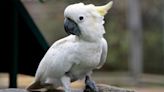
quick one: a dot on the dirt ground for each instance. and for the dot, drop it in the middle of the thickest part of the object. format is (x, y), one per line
(148, 82)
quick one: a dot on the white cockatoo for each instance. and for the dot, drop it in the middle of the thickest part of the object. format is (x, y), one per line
(75, 56)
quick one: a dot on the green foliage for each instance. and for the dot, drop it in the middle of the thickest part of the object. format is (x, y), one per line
(153, 57)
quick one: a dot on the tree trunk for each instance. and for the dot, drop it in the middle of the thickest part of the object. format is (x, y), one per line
(135, 32)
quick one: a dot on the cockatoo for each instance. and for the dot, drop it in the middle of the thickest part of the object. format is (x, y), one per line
(75, 56)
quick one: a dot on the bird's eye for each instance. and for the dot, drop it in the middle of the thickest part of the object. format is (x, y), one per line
(81, 18)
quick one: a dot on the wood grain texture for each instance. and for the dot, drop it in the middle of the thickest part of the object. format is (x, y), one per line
(101, 87)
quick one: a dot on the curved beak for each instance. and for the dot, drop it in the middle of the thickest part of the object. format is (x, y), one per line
(71, 27)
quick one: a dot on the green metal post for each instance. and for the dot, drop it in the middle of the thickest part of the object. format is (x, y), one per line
(14, 70)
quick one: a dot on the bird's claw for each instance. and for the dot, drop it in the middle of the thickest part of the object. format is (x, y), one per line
(90, 86)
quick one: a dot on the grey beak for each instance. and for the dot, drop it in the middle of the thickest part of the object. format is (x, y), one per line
(71, 27)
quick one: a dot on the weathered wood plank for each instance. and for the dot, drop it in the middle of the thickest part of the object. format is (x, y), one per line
(101, 87)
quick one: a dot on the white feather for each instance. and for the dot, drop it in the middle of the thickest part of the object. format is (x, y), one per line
(69, 54)
(104, 53)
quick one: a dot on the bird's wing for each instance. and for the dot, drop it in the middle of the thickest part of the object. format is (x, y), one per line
(104, 53)
(54, 60)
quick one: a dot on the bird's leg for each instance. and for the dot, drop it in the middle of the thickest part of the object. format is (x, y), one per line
(66, 83)
(90, 85)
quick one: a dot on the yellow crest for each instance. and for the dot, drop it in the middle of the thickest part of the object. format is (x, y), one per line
(102, 10)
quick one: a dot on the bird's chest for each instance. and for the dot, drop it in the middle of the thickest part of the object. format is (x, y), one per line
(88, 55)
(87, 59)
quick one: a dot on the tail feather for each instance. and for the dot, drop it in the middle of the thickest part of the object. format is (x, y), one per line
(34, 86)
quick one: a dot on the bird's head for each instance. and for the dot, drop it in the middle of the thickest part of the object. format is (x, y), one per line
(86, 21)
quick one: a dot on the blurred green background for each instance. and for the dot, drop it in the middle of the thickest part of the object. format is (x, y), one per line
(49, 18)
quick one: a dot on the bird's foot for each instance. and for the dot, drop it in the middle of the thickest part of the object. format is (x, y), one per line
(90, 85)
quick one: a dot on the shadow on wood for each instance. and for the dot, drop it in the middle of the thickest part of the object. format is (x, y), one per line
(101, 87)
